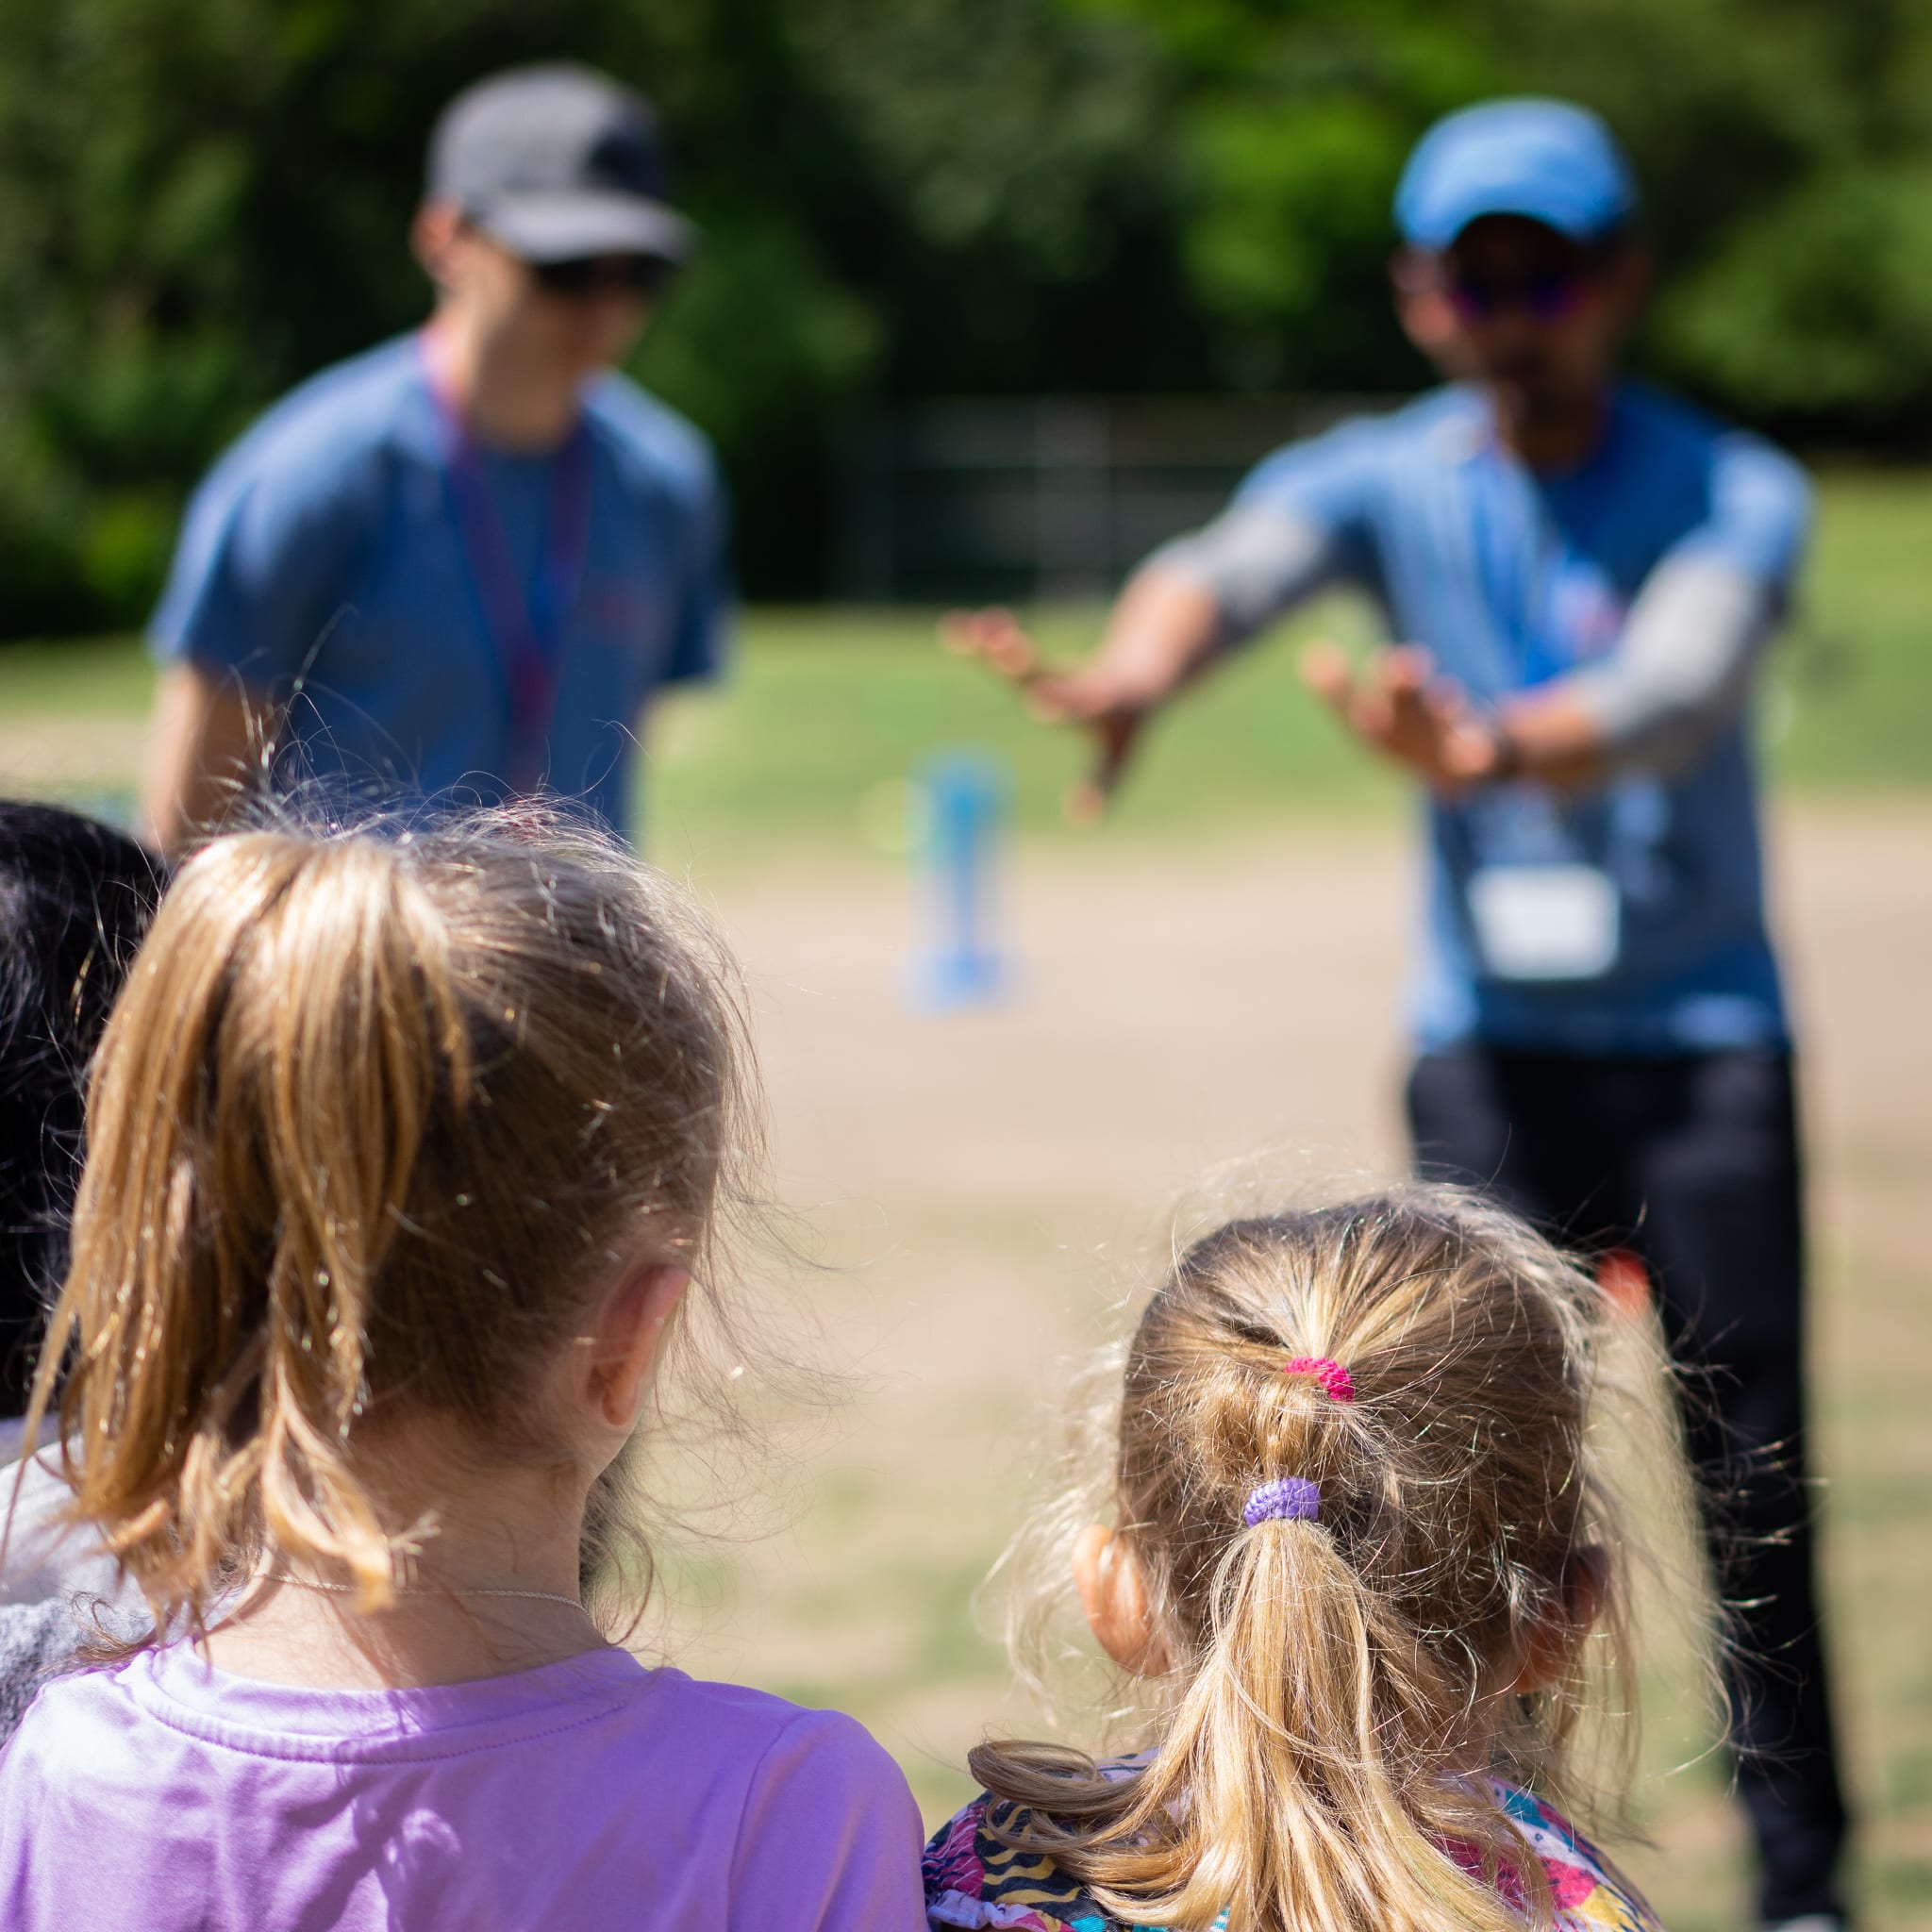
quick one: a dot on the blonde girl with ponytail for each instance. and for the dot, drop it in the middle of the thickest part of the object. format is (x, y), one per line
(1361, 1556)
(405, 1159)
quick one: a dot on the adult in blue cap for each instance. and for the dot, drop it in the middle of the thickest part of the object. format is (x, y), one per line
(462, 563)
(1586, 573)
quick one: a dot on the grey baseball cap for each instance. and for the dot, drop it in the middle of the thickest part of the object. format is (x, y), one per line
(557, 163)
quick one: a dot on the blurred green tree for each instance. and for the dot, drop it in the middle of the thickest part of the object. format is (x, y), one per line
(1785, 147)
(202, 201)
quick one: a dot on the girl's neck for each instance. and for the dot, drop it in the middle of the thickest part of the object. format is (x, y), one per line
(492, 1590)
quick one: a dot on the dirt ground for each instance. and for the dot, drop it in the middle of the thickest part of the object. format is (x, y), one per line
(985, 1187)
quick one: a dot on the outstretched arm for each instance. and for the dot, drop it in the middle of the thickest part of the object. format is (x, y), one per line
(1163, 632)
(1680, 673)
(1180, 612)
(1678, 676)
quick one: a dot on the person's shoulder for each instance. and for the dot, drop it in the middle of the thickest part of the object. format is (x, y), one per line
(1589, 1893)
(71, 1708)
(975, 1878)
(779, 1737)
(655, 447)
(329, 434)
(737, 1708)
(1737, 496)
(1656, 416)
(347, 407)
(1670, 431)
(1372, 445)
(1451, 416)
(36, 1643)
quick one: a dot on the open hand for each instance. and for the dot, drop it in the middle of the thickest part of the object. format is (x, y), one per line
(1401, 708)
(1111, 708)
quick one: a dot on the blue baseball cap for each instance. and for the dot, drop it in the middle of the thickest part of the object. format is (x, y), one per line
(1547, 160)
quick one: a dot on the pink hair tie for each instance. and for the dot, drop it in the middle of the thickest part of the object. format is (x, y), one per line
(1333, 1378)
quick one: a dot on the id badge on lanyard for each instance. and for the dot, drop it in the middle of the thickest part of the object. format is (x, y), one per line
(1538, 910)
(529, 633)
(1545, 921)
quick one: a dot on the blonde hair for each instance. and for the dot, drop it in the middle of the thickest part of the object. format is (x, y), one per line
(374, 1122)
(1336, 1691)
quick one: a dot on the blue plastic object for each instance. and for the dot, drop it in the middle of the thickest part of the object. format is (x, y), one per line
(967, 797)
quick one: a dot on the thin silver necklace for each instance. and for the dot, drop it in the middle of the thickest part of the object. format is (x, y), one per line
(548, 1596)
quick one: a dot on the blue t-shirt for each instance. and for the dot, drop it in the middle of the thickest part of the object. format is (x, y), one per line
(1511, 577)
(325, 564)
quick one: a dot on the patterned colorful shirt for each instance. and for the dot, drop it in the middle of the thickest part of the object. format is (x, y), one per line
(974, 1881)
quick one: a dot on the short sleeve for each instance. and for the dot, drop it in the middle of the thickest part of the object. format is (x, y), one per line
(259, 571)
(1759, 511)
(829, 1837)
(1330, 483)
(700, 641)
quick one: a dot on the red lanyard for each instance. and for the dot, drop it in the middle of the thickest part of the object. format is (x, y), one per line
(530, 633)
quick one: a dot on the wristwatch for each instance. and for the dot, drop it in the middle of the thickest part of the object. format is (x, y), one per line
(1508, 756)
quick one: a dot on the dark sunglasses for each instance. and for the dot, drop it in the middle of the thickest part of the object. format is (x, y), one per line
(1548, 298)
(602, 275)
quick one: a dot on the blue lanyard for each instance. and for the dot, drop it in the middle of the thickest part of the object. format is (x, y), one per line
(530, 634)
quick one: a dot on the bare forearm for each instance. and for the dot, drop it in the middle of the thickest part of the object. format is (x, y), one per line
(1199, 595)
(1178, 614)
(1164, 633)
(1546, 736)
(198, 754)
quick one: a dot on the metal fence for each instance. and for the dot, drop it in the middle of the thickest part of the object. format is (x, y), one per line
(1047, 498)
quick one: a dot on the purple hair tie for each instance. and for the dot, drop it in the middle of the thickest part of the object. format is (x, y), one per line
(1286, 1499)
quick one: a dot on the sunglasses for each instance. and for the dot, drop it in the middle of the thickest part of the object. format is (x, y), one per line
(586, 275)
(1548, 298)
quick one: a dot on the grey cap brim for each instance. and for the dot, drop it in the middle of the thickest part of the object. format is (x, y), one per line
(567, 227)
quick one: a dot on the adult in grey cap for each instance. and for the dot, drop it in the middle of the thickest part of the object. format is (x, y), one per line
(462, 563)
(1586, 573)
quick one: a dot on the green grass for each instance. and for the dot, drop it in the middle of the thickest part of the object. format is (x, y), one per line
(828, 711)
(1852, 682)
(106, 678)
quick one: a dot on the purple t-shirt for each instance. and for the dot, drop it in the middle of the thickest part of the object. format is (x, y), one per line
(590, 1794)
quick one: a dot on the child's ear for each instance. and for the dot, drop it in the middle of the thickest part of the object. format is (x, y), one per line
(627, 1340)
(1114, 1593)
(1550, 1647)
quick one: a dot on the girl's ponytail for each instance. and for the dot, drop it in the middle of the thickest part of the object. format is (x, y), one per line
(369, 1031)
(373, 1121)
(1274, 1763)
(253, 1123)
(1351, 1473)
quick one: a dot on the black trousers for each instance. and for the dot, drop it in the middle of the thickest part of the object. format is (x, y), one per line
(1693, 1163)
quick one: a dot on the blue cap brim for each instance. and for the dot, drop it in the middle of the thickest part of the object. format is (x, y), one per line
(1440, 224)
